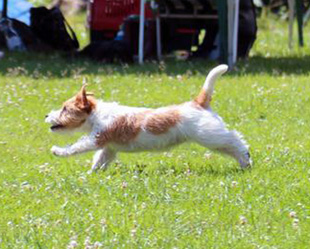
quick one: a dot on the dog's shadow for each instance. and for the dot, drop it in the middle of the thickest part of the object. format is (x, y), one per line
(176, 171)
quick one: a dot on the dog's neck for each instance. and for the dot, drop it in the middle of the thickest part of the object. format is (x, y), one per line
(103, 114)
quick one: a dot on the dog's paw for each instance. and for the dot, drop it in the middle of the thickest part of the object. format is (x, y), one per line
(246, 161)
(58, 151)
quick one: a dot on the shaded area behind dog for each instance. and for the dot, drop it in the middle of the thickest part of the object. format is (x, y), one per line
(36, 65)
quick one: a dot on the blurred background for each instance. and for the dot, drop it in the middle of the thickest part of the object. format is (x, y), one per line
(109, 31)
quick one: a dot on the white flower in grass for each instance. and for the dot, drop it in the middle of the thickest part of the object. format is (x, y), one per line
(243, 220)
(97, 244)
(293, 214)
(124, 184)
(234, 184)
(87, 242)
(103, 222)
(72, 244)
(295, 223)
(188, 171)
(207, 155)
(133, 232)
(179, 77)
(82, 178)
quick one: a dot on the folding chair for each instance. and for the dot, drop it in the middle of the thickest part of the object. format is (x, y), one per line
(228, 11)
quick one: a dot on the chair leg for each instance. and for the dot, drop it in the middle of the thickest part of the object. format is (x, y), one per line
(291, 23)
(141, 31)
(158, 38)
(299, 15)
(235, 32)
(233, 25)
(223, 30)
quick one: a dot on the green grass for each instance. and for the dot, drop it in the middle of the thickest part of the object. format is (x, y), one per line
(183, 198)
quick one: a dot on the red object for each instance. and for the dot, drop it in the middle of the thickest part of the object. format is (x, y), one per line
(107, 15)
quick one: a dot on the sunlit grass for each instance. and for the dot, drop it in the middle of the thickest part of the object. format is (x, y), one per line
(183, 198)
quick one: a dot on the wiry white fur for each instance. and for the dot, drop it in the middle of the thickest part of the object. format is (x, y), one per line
(199, 125)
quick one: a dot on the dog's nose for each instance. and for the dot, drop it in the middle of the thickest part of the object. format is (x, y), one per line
(46, 116)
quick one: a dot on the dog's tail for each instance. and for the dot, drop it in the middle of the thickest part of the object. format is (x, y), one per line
(205, 95)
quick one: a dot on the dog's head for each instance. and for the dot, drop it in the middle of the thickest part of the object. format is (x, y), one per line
(74, 112)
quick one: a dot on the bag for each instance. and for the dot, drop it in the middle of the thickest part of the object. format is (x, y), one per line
(29, 40)
(11, 37)
(51, 27)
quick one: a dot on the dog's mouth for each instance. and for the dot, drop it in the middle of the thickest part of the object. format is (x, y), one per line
(56, 127)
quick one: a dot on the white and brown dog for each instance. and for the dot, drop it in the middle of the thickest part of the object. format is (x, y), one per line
(115, 128)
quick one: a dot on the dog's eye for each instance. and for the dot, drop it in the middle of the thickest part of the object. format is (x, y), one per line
(64, 109)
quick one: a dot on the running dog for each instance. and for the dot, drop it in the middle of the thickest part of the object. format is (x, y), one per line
(114, 128)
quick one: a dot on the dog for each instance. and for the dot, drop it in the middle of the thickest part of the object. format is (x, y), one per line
(114, 128)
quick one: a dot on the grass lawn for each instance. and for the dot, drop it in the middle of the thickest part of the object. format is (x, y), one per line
(183, 198)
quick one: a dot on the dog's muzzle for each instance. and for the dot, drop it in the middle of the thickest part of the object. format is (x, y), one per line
(52, 118)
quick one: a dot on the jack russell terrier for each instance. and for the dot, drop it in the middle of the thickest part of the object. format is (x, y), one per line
(115, 128)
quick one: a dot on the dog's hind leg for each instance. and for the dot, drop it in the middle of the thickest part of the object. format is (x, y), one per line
(230, 143)
(103, 158)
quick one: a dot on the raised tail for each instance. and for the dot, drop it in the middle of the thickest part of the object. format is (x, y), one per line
(205, 95)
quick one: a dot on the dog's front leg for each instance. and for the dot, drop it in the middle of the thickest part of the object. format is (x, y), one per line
(85, 144)
(102, 159)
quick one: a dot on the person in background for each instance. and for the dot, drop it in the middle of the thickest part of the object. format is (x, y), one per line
(209, 48)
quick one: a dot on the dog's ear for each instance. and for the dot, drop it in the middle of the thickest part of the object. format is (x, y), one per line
(81, 98)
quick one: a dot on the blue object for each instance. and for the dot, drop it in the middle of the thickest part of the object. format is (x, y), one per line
(18, 9)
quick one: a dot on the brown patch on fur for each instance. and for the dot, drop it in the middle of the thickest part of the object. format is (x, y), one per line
(203, 99)
(159, 123)
(126, 128)
(76, 110)
(123, 130)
